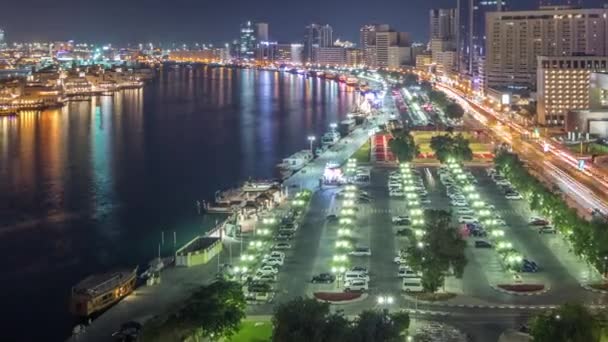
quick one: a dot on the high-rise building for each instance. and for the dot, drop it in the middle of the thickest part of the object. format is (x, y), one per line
(247, 41)
(471, 27)
(516, 39)
(261, 32)
(367, 41)
(283, 53)
(2, 38)
(444, 24)
(378, 40)
(316, 36)
(563, 85)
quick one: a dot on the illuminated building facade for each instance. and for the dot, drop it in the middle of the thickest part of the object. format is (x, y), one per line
(563, 85)
(516, 39)
(247, 41)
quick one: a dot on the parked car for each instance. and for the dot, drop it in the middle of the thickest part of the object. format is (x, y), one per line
(538, 221)
(274, 261)
(281, 246)
(361, 251)
(412, 285)
(359, 269)
(513, 196)
(467, 219)
(265, 277)
(547, 230)
(464, 211)
(348, 276)
(399, 260)
(529, 266)
(267, 269)
(326, 278)
(483, 244)
(406, 272)
(358, 285)
(459, 203)
(331, 218)
(396, 193)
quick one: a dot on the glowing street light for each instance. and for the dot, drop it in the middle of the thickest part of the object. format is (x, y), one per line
(385, 300)
(311, 139)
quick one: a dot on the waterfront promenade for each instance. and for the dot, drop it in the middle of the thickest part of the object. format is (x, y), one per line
(178, 283)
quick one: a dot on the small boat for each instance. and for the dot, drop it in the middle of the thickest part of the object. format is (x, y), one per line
(330, 76)
(342, 78)
(296, 161)
(351, 81)
(330, 138)
(100, 291)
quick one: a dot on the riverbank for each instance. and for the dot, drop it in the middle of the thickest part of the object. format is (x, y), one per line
(178, 283)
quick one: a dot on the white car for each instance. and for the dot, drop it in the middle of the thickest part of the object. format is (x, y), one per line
(394, 184)
(268, 270)
(359, 285)
(467, 219)
(265, 277)
(515, 196)
(396, 193)
(361, 251)
(459, 203)
(281, 245)
(399, 260)
(274, 261)
(412, 285)
(464, 211)
(275, 254)
(406, 272)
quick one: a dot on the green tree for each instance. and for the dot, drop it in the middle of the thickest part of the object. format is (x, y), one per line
(307, 320)
(403, 146)
(441, 250)
(454, 111)
(439, 98)
(375, 326)
(214, 311)
(451, 147)
(568, 323)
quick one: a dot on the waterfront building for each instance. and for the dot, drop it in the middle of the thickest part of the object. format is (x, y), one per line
(381, 44)
(283, 53)
(563, 84)
(367, 41)
(354, 57)
(247, 41)
(316, 36)
(297, 53)
(424, 62)
(515, 39)
(196, 56)
(266, 51)
(334, 55)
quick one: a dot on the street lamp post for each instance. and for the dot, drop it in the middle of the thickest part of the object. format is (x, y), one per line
(311, 139)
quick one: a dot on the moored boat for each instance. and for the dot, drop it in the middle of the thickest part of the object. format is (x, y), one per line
(100, 291)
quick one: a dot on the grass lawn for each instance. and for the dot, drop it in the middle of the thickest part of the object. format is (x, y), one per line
(253, 331)
(423, 139)
(592, 148)
(363, 154)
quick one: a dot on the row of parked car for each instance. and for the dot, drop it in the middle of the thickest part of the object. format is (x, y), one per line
(396, 186)
(504, 185)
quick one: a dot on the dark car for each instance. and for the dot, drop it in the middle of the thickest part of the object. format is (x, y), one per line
(539, 222)
(326, 278)
(129, 332)
(529, 266)
(482, 244)
(331, 218)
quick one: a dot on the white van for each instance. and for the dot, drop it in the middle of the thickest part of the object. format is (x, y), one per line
(412, 285)
(352, 275)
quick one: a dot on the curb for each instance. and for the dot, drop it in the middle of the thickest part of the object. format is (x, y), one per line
(514, 293)
(427, 312)
(363, 297)
(591, 289)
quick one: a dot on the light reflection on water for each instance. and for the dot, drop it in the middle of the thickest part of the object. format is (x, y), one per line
(92, 185)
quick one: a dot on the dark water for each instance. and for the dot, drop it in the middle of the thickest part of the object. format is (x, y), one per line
(91, 186)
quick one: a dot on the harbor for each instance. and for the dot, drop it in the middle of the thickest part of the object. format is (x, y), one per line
(177, 282)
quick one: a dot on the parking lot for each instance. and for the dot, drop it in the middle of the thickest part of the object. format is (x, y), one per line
(334, 225)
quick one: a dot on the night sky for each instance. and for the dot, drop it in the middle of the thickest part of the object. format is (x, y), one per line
(130, 21)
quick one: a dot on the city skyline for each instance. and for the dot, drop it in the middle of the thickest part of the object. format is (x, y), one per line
(132, 23)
